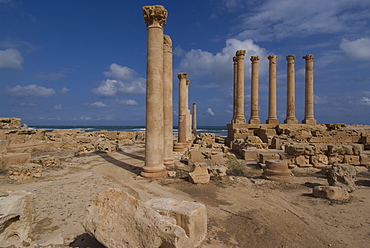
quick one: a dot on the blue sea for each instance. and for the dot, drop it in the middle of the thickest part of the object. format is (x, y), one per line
(217, 130)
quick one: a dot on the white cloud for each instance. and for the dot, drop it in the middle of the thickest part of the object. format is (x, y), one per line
(58, 107)
(28, 104)
(30, 90)
(129, 102)
(277, 19)
(365, 101)
(85, 118)
(64, 91)
(209, 111)
(11, 59)
(125, 81)
(358, 49)
(97, 105)
(219, 66)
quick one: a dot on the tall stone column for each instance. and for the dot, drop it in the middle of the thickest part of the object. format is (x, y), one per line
(182, 121)
(188, 116)
(154, 16)
(168, 159)
(290, 106)
(272, 114)
(309, 101)
(254, 119)
(234, 89)
(194, 119)
(239, 111)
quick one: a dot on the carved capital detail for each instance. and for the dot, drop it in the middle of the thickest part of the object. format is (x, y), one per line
(290, 57)
(155, 15)
(234, 59)
(308, 57)
(240, 53)
(272, 57)
(187, 82)
(182, 75)
(255, 58)
(167, 42)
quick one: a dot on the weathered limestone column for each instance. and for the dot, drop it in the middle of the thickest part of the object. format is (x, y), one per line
(194, 119)
(188, 116)
(254, 119)
(182, 121)
(168, 159)
(239, 111)
(290, 106)
(154, 16)
(234, 89)
(272, 114)
(309, 101)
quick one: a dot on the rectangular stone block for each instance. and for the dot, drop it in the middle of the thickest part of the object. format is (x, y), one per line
(303, 161)
(25, 171)
(352, 159)
(15, 159)
(191, 216)
(364, 160)
(250, 155)
(338, 159)
(3, 146)
(263, 156)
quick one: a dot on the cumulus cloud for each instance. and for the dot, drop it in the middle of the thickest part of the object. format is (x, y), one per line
(129, 102)
(358, 49)
(365, 101)
(58, 107)
(99, 104)
(277, 19)
(210, 112)
(219, 66)
(63, 91)
(123, 81)
(30, 90)
(11, 59)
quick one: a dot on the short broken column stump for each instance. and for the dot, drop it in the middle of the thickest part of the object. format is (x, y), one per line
(277, 170)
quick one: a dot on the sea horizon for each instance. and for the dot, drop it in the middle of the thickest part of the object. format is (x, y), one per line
(217, 130)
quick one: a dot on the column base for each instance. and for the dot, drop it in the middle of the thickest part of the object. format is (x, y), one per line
(291, 120)
(154, 171)
(272, 121)
(168, 161)
(240, 120)
(254, 120)
(179, 147)
(309, 121)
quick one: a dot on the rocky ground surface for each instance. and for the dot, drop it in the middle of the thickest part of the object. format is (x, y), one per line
(243, 211)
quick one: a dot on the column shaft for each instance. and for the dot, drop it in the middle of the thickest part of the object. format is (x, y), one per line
(254, 119)
(272, 114)
(290, 111)
(155, 17)
(309, 96)
(234, 89)
(168, 159)
(194, 119)
(239, 117)
(182, 125)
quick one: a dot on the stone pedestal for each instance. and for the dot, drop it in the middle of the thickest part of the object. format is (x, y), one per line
(154, 16)
(290, 108)
(254, 91)
(168, 159)
(272, 114)
(239, 110)
(309, 96)
(277, 170)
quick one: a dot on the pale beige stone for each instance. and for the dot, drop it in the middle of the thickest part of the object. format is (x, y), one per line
(117, 219)
(331, 192)
(16, 208)
(200, 173)
(290, 116)
(239, 111)
(272, 114)
(276, 170)
(24, 171)
(309, 95)
(191, 216)
(342, 175)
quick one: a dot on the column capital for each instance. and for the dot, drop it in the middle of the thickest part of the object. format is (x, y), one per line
(167, 40)
(234, 59)
(194, 103)
(182, 75)
(155, 15)
(308, 57)
(187, 82)
(240, 53)
(272, 57)
(255, 58)
(290, 57)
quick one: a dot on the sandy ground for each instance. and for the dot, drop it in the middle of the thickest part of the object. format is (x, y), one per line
(242, 211)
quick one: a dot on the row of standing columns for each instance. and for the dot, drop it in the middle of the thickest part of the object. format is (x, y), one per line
(238, 108)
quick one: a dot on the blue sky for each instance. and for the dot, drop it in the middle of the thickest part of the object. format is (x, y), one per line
(83, 62)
